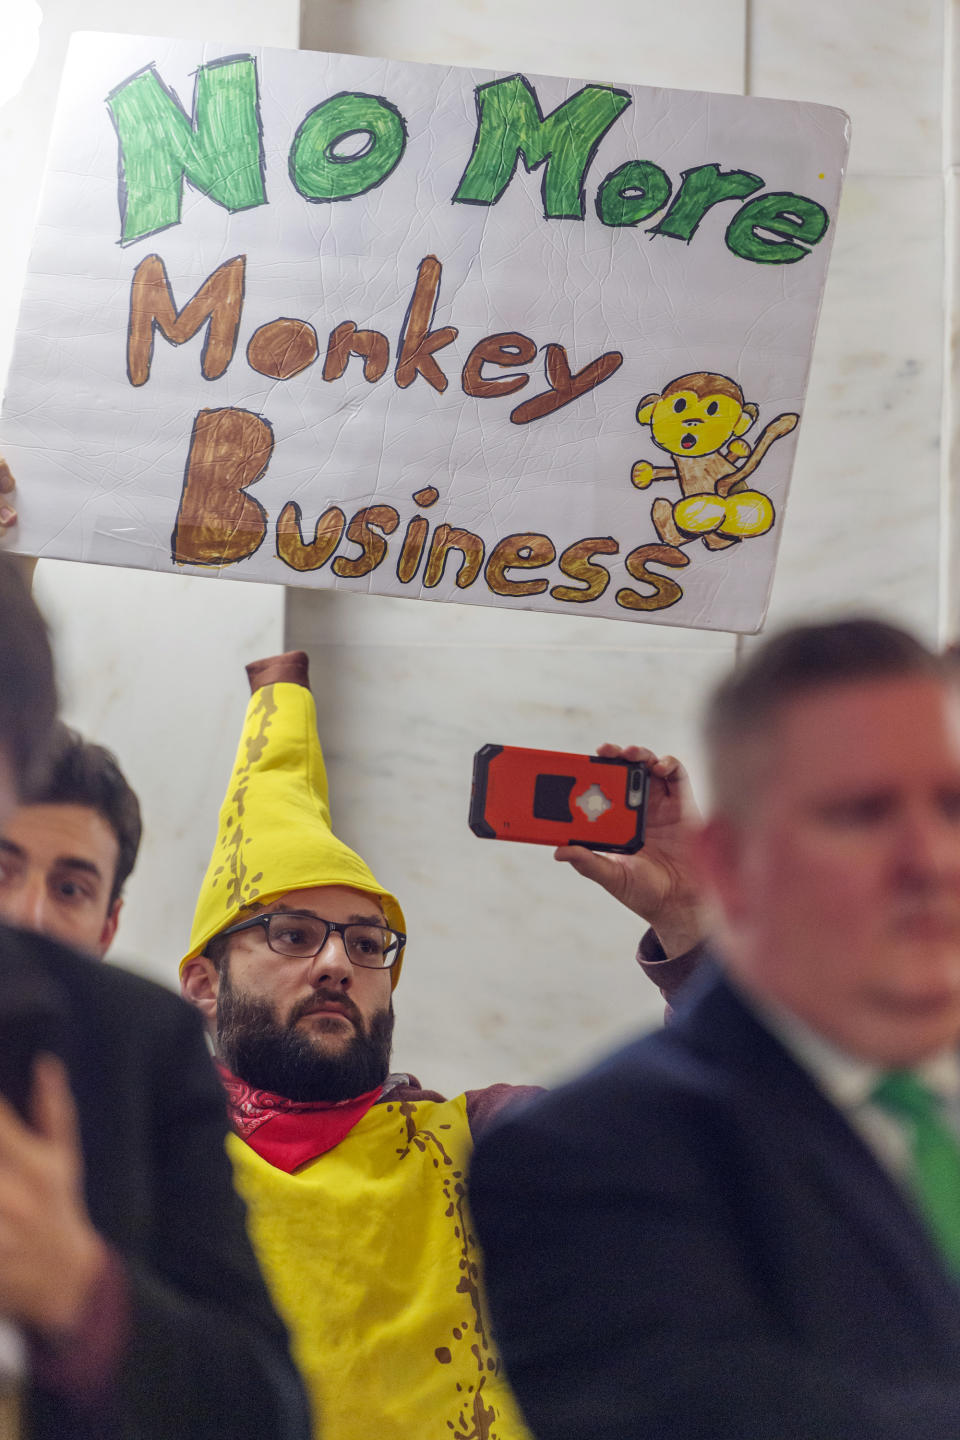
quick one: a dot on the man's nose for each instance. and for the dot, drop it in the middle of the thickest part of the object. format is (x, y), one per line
(25, 905)
(332, 965)
(930, 846)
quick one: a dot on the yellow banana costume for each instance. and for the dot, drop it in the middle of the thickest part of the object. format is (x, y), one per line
(368, 1249)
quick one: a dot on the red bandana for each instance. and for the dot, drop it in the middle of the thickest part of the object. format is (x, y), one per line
(288, 1133)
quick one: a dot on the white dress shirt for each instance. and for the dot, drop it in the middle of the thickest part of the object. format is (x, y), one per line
(848, 1083)
(13, 1353)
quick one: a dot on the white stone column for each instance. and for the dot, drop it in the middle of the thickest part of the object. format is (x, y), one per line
(864, 525)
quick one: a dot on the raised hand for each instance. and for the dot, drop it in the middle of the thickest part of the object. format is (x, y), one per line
(8, 515)
(50, 1255)
(658, 883)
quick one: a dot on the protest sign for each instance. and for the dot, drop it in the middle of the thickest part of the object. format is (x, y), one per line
(416, 330)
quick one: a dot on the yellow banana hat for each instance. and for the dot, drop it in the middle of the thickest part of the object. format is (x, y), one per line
(275, 833)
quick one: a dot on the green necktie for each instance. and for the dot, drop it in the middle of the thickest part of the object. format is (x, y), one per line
(935, 1176)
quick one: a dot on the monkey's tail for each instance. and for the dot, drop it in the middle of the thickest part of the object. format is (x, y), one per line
(776, 430)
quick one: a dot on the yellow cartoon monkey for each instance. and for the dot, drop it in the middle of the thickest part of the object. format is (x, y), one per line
(699, 419)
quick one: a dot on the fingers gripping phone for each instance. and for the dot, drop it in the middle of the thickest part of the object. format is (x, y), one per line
(546, 797)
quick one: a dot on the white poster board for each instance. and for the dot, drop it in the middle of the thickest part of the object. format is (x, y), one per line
(508, 340)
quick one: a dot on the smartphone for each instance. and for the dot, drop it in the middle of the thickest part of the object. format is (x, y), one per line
(32, 1020)
(546, 797)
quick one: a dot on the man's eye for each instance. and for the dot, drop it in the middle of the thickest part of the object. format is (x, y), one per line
(369, 942)
(291, 935)
(865, 810)
(950, 806)
(11, 866)
(72, 891)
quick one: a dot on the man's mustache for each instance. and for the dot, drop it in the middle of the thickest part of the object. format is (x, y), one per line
(320, 998)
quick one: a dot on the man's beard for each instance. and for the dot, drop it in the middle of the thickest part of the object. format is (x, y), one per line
(285, 1060)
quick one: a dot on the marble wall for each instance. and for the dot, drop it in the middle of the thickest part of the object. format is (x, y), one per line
(868, 497)
(518, 969)
(951, 417)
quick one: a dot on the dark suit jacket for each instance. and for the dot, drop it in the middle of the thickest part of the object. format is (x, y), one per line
(690, 1242)
(207, 1356)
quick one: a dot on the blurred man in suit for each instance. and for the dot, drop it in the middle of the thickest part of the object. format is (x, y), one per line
(748, 1226)
(125, 1270)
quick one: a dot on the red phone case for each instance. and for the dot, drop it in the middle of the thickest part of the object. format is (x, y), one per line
(547, 797)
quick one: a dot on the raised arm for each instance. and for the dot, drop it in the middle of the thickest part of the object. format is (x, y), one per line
(26, 564)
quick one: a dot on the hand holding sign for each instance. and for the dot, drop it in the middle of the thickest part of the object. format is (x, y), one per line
(8, 515)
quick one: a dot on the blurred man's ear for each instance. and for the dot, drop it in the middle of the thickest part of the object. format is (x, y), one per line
(110, 927)
(718, 849)
(200, 984)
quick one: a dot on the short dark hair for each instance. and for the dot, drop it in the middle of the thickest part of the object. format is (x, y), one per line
(802, 659)
(28, 694)
(87, 774)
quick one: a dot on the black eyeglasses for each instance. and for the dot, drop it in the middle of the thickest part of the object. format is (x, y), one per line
(371, 946)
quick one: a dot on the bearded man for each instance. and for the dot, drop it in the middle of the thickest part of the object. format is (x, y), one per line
(355, 1179)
